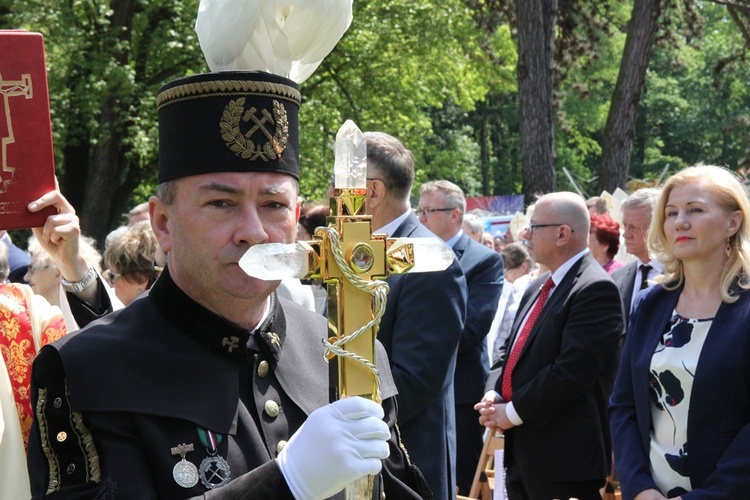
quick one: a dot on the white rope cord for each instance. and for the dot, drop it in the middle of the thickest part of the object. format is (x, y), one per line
(379, 291)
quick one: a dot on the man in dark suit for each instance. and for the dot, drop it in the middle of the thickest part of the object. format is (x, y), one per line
(441, 208)
(636, 220)
(550, 394)
(422, 323)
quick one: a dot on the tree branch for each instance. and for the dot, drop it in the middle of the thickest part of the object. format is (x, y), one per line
(729, 3)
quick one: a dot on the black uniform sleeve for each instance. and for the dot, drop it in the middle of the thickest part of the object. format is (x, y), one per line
(264, 482)
(62, 459)
(83, 312)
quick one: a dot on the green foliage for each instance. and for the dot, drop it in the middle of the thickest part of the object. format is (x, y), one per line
(106, 62)
(697, 100)
(441, 76)
(398, 61)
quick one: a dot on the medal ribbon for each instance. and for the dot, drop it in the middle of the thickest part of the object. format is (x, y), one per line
(209, 439)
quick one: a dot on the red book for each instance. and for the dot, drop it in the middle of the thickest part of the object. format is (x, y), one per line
(27, 163)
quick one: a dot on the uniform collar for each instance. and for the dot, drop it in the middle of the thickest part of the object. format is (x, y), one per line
(210, 330)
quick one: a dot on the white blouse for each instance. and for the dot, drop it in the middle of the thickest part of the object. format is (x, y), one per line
(672, 373)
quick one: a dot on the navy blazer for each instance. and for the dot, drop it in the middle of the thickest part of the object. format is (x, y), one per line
(563, 378)
(625, 280)
(420, 331)
(719, 417)
(483, 268)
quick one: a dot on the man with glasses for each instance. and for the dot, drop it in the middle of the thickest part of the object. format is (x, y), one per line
(483, 269)
(422, 323)
(550, 394)
(636, 220)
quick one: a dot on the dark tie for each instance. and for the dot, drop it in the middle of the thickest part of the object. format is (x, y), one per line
(645, 268)
(515, 353)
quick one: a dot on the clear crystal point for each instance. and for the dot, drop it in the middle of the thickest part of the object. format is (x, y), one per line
(275, 261)
(350, 168)
(430, 254)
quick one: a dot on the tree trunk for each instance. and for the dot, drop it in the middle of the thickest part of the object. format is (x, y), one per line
(99, 213)
(109, 164)
(536, 28)
(620, 128)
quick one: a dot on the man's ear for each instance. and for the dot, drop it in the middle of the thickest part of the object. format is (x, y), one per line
(564, 234)
(159, 213)
(375, 194)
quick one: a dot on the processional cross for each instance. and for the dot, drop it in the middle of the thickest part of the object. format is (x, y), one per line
(353, 263)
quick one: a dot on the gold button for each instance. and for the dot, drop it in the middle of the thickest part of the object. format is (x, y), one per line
(272, 408)
(263, 369)
(280, 446)
(58, 402)
(62, 436)
(71, 468)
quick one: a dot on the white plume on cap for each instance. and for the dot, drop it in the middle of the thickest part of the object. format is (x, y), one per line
(289, 38)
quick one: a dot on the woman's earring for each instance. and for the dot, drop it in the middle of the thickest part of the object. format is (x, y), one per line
(728, 249)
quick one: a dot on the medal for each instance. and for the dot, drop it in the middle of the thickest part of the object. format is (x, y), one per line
(214, 470)
(184, 473)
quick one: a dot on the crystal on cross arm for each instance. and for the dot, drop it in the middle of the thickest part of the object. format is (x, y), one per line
(350, 167)
(430, 254)
(275, 261)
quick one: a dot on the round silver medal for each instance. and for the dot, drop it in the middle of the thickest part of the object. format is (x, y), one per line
(214, 472)
(185, 474)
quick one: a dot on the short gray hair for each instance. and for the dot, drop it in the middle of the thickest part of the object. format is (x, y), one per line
(454, 195)
(642, 198)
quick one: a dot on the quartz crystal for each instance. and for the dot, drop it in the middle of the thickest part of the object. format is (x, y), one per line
(350, 168)
(430, 254)
(275, 261)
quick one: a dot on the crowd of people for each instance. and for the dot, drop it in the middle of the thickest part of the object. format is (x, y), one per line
(526, 340)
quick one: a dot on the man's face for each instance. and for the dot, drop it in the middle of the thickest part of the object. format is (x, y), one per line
(635, 224)
(211, 223)
(439, 217)
(542, 241)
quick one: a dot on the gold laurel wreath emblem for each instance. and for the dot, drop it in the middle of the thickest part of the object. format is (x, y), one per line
(241, 144)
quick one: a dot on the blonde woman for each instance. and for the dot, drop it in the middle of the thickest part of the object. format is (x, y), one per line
(680, 412)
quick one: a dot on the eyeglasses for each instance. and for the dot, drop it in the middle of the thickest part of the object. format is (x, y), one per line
(34, 269)
(424, 212)
(629, 227)
(532, 227)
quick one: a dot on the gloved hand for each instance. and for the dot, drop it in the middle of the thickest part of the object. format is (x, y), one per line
(337, 444)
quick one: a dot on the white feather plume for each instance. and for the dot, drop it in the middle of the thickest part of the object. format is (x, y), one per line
(285, 37)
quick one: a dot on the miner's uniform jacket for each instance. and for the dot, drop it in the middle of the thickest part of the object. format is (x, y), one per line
(122, 402)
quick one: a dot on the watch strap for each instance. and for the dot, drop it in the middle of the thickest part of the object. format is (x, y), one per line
(79, 286)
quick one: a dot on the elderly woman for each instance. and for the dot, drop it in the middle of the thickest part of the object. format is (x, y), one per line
(130, 260)
(680, 411)
(604, 241)
(44, 276)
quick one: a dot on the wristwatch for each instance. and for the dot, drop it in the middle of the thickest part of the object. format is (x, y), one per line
(79, 286)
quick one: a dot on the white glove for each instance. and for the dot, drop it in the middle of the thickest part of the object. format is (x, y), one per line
(337, 444)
